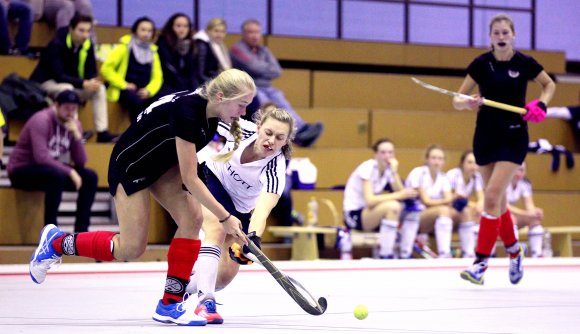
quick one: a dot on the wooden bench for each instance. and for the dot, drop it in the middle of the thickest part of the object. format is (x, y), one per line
(559, 209)
(304, 240)
(21, 216)
(562, 239)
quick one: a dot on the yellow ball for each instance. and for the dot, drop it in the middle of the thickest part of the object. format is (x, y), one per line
(361, 312)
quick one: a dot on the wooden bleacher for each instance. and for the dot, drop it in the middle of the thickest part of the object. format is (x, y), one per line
(391, 54)
(358, 108)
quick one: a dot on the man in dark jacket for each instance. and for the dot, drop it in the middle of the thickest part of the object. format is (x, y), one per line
(69, 63)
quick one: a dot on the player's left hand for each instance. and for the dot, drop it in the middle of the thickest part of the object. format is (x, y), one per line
(536, 111)
(237, 252)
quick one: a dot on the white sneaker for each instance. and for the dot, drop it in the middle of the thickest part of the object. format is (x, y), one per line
(516, 267)
(475, 273)
(180, 314)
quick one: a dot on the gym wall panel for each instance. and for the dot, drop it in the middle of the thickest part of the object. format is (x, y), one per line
(343, 128)
(296, 86)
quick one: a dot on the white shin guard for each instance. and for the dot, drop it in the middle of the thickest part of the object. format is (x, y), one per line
(409, 231)
(387, 237)
(467, 239)
(206, 269)
(535, 239)
(443, 232)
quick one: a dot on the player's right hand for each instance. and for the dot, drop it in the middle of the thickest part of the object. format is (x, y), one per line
(238, 252)
(233, 226)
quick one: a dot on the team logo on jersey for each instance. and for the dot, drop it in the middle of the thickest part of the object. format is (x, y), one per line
(513, 74)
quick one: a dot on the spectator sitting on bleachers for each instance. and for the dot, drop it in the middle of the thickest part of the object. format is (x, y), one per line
(530, 215)
(133, 69)
(50, 156)
(212, 55)
(432, 211)
(15, 11)
(59, 13)
(69, 63)
(251, 56)
(176, 53)
(466, 184)
(372, 195)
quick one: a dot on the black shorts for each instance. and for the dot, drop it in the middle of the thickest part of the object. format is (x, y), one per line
(221, 195)
(493, 145)
(353, 219)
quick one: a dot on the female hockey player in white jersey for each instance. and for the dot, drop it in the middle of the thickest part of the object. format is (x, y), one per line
(248, 185)
(467, 188)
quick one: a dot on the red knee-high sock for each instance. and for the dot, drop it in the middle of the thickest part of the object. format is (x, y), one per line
(507, 233)
(181, 257)
(488, 232)
(96, 245)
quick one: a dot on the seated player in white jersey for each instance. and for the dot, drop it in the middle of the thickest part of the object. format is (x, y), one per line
(249, 186)
(520, 188)
(467, 188)
(372, 195)
(431, 211)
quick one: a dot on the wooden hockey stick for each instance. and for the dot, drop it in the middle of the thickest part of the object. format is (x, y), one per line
(487, 102)
(300, 295)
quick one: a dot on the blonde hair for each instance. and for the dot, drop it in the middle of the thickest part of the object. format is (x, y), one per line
(281, 115)
(236, 131)
(233, 83)
(215, 22)
(502, 17)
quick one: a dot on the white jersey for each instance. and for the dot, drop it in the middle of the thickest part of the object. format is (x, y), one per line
(420, 178)
(244, 183)
(458, 185)
(354, 198)
(523, 189)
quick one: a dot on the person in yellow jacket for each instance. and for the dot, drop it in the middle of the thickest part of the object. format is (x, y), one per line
(133, 69)
(2, 123)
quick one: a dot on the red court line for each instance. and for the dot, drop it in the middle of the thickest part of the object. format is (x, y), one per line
(157, 271)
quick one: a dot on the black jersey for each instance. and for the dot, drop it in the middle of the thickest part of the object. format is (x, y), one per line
(502, 135)
(147, 149)
(503, 81)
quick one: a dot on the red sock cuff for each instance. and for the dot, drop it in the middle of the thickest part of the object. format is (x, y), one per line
(181, 257)
(57, 243)
(506, 229)
(488, 232)
(96, 245)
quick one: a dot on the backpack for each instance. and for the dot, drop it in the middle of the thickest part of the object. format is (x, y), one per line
(27, 95)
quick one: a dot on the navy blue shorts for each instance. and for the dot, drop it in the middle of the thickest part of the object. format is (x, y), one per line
(353, 219)
(221, 195)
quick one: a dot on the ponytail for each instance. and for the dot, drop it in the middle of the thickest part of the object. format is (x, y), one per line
(236, 131)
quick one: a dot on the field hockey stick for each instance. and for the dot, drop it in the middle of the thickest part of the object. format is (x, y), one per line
(300, 295)
(487, 102)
